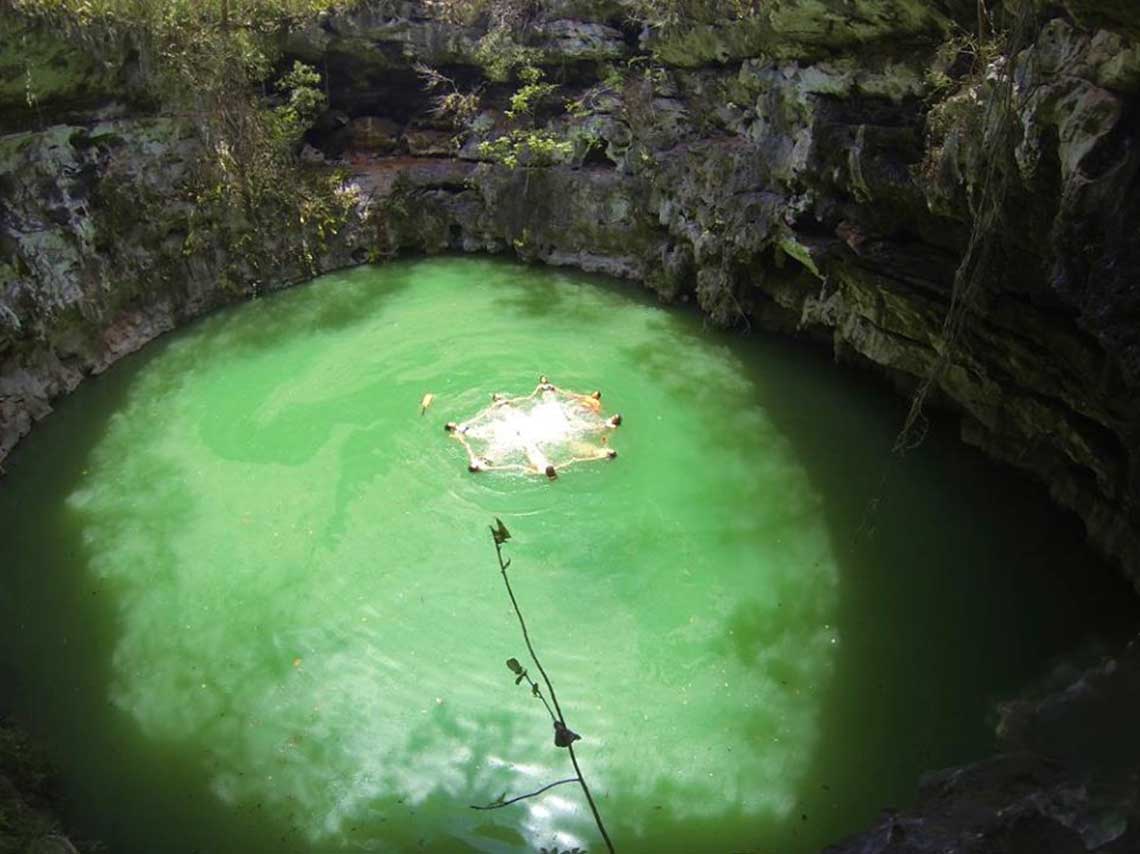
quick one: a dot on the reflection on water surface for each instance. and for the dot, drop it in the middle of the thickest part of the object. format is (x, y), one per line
(284, 615)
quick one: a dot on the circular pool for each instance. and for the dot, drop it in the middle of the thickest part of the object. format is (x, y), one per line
(251, 602)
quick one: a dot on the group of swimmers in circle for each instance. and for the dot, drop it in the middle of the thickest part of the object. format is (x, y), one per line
(537, 461)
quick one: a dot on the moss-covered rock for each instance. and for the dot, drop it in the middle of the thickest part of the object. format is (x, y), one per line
(45, 79)
(108, 240)
(801, 29)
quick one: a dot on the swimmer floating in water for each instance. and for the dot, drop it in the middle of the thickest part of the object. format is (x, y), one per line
(522, 440)
(584, 453)
(592, 401)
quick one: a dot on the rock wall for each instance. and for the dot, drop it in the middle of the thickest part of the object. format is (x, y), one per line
(1065, 782)
(96, 258)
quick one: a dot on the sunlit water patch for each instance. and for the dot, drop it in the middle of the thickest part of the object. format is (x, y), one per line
(287, 630)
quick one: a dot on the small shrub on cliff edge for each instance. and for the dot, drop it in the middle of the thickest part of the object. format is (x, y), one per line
(988, 108)
(678, 14)
(210, 63)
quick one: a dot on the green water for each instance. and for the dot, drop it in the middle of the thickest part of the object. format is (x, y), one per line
(250, 602)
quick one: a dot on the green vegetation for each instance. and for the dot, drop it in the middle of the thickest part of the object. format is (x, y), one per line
(531, 94)
(528, 145)
(982, 108)
(215, 65)
(678, 14)
(450, 101)
(524, 144)
(170, 17)
(527, 148)
(503, 56)
(499, 53)
(209, 60)
(497, 14)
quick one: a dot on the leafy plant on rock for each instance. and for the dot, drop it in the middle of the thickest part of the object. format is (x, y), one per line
(211, 64)
(528, 145)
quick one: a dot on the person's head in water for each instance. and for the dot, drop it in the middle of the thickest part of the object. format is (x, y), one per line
(551, 472)
(610, 453)
(450, 426)
(615, 421)
(597, 395)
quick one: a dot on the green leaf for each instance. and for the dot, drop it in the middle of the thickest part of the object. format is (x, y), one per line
(500, 532)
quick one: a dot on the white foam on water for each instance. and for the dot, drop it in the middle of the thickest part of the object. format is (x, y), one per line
(551, 427)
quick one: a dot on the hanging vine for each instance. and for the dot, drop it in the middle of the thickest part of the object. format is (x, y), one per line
(1000, 129)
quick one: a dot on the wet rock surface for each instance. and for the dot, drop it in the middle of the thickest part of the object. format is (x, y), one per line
(1066, 781)
(27, 795)
(93, 224)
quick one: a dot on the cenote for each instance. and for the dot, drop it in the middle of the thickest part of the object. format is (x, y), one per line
(251, 603)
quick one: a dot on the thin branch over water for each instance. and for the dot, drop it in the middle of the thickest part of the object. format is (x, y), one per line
(498, 805)
(563, 735)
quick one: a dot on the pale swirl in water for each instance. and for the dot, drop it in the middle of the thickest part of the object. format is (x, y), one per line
(308, 598)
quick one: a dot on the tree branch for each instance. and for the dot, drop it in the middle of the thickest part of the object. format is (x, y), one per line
(499, 536)
(522, 624)
(501, 804)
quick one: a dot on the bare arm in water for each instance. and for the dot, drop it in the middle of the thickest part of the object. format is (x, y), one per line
(587, 453)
